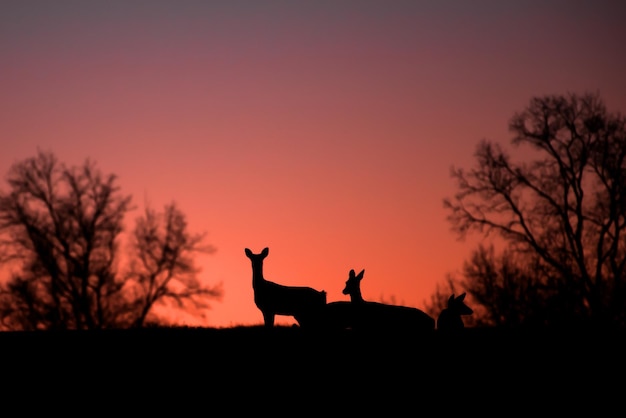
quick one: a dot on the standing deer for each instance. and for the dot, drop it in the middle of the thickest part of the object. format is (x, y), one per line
(449, 319)
(367, 315)
(275, 299)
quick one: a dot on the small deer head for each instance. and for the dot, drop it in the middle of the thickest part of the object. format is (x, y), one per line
(353, 286)
(458, 306)
(450, 317)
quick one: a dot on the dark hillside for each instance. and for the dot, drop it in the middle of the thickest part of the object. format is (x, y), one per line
(528, 368)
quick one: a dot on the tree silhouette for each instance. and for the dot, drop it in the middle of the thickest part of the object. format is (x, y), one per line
(507, 289)
(562, 211)
(163, 267)
(60, 229)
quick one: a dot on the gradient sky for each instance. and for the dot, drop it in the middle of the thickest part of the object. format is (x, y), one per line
(324, 130)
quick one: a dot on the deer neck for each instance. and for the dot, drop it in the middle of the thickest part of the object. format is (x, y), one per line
(257, 274)
(356, 297)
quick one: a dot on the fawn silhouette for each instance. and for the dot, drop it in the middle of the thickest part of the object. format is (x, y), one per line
(275, 299)
(449, 319)
(366, 315)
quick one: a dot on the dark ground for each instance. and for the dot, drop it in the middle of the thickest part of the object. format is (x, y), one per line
(289, 371)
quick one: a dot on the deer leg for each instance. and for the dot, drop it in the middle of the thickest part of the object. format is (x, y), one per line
(269, 319)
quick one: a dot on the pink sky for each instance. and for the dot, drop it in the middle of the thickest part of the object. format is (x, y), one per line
(322, 130)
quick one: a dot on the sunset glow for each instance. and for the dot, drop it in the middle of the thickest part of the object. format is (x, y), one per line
(322, 130)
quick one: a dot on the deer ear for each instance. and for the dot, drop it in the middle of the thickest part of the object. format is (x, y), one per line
(352, 273)
(265, 251)
(360, 275)
(248, 252)
(451, 299)
(461, 297)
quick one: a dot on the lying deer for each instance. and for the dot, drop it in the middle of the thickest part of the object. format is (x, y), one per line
(449, 319)
(381, 316)
(275, 299)
(359, 314)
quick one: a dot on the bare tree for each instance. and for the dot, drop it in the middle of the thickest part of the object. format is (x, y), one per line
(509, 288)
(564, 209)
(163, 267)
(60, 228)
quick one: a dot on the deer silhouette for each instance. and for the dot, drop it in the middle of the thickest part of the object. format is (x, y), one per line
(275, 299)
(367, 315)
(449, 319)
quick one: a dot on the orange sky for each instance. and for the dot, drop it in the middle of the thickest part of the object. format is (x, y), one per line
(323, 130)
